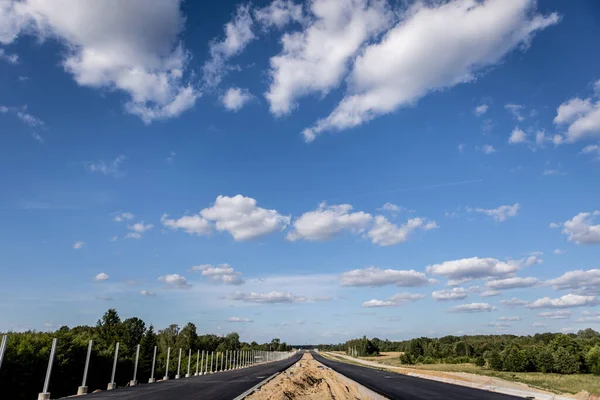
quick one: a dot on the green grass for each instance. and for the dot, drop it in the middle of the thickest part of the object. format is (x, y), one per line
(552, 382)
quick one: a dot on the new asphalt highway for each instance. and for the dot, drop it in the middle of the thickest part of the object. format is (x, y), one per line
(221, 386)
(402, 387)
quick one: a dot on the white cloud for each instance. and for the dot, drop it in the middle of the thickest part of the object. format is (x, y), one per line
(111, 168)
(238, 34)
(592, 149)
(538, 325)
(268, 298)
(550, 172)
(467, 269)
(559, 251)
(223, 273)
(457, 293)
(509, 318)
(501, 213)
(147, 293)
(481, 109)
(122, 216)
(515, 110)
(78, 245)
(10, 58)
(587, 320)
(238, 319)
(30, 120)
(240, 216)
(580, 229)
(566, 301)
(375, 277)
(432, 47)
(562, 314)
(517, 136)
(235, 98)
(579, 281)
(514, 302)
(488, 149)
(140, 227)
(175, 281)
(384, 233)
(192, 224)
(328, 221)
(133, 235)
(499, 324)
(489, 293)
(511, 283)
(108, 45)
(316, 58)
(582, 117)
(101, 277)
(23, 78)
(390, 207)
(396, 300)
(279, 13)
(472, 308)
(554, 225)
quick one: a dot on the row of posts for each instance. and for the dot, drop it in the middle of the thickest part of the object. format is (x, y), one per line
(229, 360)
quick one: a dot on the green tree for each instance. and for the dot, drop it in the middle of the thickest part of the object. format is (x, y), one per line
(494, 360)
(514, 360)
(592, 360)
(565, 362)
(132, 331)
(545, 360)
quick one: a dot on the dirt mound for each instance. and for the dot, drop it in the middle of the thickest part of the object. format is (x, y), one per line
(308, 380)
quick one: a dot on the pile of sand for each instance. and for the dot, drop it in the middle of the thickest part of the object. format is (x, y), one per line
(308, 379)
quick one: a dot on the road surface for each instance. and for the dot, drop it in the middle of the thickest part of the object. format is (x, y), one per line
(222, 386)
(402, 387)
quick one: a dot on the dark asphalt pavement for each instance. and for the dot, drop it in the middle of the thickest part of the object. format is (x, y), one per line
(401, 387)
(222, 386)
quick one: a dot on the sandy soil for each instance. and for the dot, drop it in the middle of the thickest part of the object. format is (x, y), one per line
(308, 379)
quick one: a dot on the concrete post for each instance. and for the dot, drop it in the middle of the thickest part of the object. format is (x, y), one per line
(134, 382)
(166, 378)
(197, 362)
(202, 363)
(206, 366)
(3, 348)
(152, 380)
(83, 389)
(212, 357)
(112, 385)
(222, 358)
(178, 365)
(189, 361)
(227, 360)
(45, 395)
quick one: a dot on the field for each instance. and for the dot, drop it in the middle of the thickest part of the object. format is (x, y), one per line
(551, 382)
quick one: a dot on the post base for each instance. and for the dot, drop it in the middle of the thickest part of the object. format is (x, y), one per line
(166, 378)
(111, 386)
(151, 380)
(187, 375)
(132, 383)
(44, 396)
(82, 390)
(196, 374)
(177, 376)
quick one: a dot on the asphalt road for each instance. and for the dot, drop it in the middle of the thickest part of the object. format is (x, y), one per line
(222, 386)
(401, 387)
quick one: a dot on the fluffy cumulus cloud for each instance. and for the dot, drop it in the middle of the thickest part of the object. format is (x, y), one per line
(511, 283)
(487, 149)
(137, 230)
(375, 277)
(101, 277)
(223, 273)
(238, 34)
(517, 136)
(326, 222)
(235, 98)
(514, 302)
(78, 245)
(432, 46)
(516, 110)
(110, 168)
(10, 58)
(501, 213)
(396, 300)
(268, 298)
(124, 46)
(192, 224)
(481, 109)
(472, 308)
(561, 314)
(457, 293)
(512, 319)
(315, 59)
(384, 233)
(175, 281)
(581, 229)
(581, 117)
(122, 216)
(238, 319)
(566, 301)
(243, 219)
(580, 282)
(279, 13)
(468, 269)
(147, 293)
(592, 149)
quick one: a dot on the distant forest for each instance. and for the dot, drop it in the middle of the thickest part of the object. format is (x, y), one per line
(24, 366)
(542, 352)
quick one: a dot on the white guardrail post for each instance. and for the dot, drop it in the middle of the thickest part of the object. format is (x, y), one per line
(189, 361)
(197, 362)
(134, 381)
(112, 385)
(83, 389)
(152, 380)
(45, 395)
(166, 377)
(178, 365)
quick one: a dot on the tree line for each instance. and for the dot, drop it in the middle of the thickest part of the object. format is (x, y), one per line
(543, 352)
(25, 361)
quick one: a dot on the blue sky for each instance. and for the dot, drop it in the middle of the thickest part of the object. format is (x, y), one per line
(315, 171)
